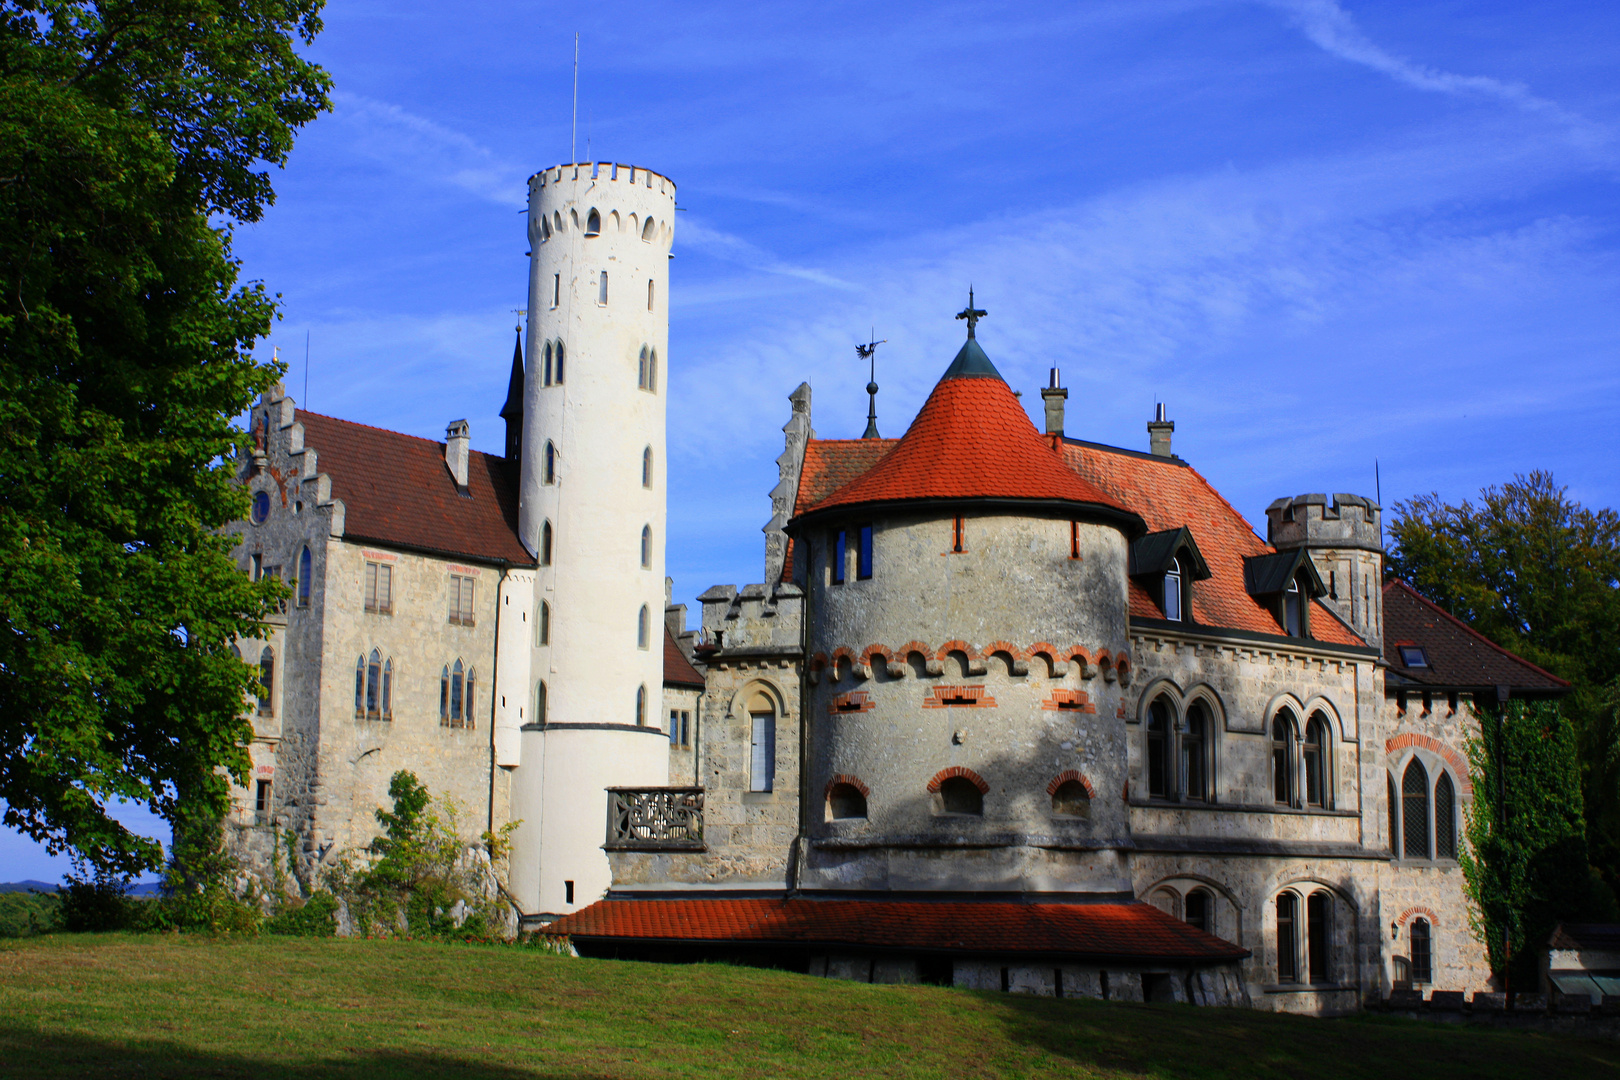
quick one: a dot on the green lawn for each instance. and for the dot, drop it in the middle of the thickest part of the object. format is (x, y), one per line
(170, 1006)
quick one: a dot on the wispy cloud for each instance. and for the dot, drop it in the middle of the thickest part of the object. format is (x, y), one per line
(1327, 25)
(416, 145)
(734, 249)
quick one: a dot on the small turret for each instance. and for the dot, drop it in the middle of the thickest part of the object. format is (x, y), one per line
(1345, 541)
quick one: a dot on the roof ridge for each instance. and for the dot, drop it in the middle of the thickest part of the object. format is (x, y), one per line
(297, 412)
(1213, 490)
(1426, 602)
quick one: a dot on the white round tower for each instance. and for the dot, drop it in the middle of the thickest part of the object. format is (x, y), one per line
(592, 510)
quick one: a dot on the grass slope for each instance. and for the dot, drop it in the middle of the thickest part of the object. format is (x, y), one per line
(168, 1006)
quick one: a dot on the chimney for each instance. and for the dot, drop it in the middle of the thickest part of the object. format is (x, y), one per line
(1159, 433)
(1054, 396)
(456, 438)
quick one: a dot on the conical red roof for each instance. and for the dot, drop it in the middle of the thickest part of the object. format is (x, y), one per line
(972, 440)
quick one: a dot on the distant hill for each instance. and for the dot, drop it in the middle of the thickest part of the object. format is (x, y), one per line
(140, 888)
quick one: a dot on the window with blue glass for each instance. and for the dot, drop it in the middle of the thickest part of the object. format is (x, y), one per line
(863, 554)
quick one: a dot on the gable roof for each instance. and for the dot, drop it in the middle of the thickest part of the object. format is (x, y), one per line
(1151, 554)
(1268, 575)
(1460, 657)
(678, 670)
(1121, 931)
(971, 441)
(397, 491)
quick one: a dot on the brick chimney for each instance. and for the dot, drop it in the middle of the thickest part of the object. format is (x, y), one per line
(456, 439)
(1054, 395)
(1159, 430)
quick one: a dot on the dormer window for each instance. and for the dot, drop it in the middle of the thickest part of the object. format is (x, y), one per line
(1413, 656)
(1165, 564)
(1172, 591)
(1294, 610)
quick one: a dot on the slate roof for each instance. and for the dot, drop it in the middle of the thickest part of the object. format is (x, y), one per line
(1460, 658)
(1113, 931)
(678, 670)
(1590, 937)
(397, 491)
(971, 440)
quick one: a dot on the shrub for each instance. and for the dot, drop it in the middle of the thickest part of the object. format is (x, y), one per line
(25, 914)
(96, 905)
(315, 917)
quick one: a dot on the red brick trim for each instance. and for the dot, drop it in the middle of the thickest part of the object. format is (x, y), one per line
(852, 781)
(1003, 646)
(856, 701)
(905, 651)
(956, 770)
(955, 646)
(818, 662)
(876, 650)
(1418, 909)
(1069, 701)
(1064, 777)
(1452, 758)
(958, 697)
(1079, 651)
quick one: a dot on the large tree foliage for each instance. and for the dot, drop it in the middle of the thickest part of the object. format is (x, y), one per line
(1539, 574)
(133, 133)
(1525, 864)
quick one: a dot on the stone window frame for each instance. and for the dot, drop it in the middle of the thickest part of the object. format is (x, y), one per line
(267, 681)
(458, 703)
(378, 689)
(1321, 916)
(1435, 767)
(463, 609)
(1179, 707)
(1225, 915)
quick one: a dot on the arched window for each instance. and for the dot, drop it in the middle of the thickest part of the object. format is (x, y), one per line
(652, 371)
(845, 801)
(601, 289)
(761, 743)
(593, 223)
(1195, 754)
(646, 467)
(1317, 908)
(1158, 749)
(643, 627)
(559, 363)
(1070, 800)
(540, 703)
(388, 689)
(647, 230)
(467, 709)
(1415, 811)
(1282, 758)
(641, 369)
(1445, 818)
(1293, 610)
(267, 682)
(1172, 591)
(641, 706)
(1394, 813)
(1422, 952)
(556, 220)
(1315, 753)
(1200, 910)
(547, 379)
(959, 795)
(544, 630)
(360, 688)
(646, 547)
(305, 565)
(649, 294)
(455, 704)
(545, 544)
(545, 229)
(1287, 938)
(551, 462)
(374, 686)
(261, 507)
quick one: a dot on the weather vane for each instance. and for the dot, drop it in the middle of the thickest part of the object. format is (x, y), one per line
(869, 352)
(971, 313)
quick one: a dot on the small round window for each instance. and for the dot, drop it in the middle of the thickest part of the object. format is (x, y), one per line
(261, 507)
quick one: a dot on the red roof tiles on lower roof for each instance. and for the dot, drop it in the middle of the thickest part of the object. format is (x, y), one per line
(1458, 654)
(1123, 931)
(397, 490)
(678, 670)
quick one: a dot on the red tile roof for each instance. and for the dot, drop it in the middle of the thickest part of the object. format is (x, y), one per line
(1459, 656)
(1168, 494)
(678, 670)
(397, 490)
(971, 440)
(1123, 931)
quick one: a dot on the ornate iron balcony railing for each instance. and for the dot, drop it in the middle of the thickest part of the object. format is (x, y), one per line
(655, 819)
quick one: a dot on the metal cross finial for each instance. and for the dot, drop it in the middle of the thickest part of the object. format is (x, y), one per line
(869, 352)
(971, 313)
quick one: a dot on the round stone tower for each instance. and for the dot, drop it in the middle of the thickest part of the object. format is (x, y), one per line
(1345, 540)
(592, 511)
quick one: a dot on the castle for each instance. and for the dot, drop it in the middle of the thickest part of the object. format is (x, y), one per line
(1009, 709)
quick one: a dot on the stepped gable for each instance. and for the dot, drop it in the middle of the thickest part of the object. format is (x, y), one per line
(1168, 493)
(1123, 931)
(1459, 657)
(678, 670)
(398, 492)
(971, 440)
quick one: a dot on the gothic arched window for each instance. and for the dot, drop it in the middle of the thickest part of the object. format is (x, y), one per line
(1159, 743)
(1445, 818)
(305, 567)
(641, 706)
(641, 369)
(388, 689)
(1195, 754)
(559, 363)
(360, 688)
(1287, 937)
(546, 379)
(540, 703)
(652, 371)
(545, 544)
(455, 696)
(1317, 908)
(267, 682)
(1422, 952)
(1415, 811)
(646, 467)
(643, 627)
(1317, 788)
(1283, 746)
(544, 629)
(551, 462)
(646, 547)
(374, 685)
(593, 223)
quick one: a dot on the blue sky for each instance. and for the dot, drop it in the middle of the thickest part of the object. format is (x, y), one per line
(1323, 233)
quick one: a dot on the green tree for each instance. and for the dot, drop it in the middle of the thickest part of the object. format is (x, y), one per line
(1525, 865)
(133, 135)
(1538, 574)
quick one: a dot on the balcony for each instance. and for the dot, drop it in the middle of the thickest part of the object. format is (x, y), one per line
(655, 819)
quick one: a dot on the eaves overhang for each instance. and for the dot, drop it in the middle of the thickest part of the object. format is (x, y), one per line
(1128, 522)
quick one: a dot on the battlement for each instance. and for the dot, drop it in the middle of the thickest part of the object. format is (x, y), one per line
(604, 170)
(1310, 521)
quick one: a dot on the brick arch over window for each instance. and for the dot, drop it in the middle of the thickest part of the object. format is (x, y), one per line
(1455, 763)
(852, 781)
(1064, 777)
(956, 770)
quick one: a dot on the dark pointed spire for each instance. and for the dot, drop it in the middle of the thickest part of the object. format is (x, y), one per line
(512, 411)
(971, 314)
(869, 352)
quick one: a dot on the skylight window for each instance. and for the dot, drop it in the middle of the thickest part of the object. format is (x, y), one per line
(1413, 656)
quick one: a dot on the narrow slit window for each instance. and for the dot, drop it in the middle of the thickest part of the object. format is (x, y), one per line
(305, 567)
(649, 294)
(1074, 539)
(551, 462)
(652, 371)
(762, 751)
(1287, 942)
(838, 553)
(267, 682)
(1158, 749)
(1422, 953)
(545, 544)
(957, 529)
(556, 290)
(540, 703)
(641, 369)
(547, 378)
(601, 289)
(646, 547)
(559, 363)
(643, 627)
(1445, 818)
(646, 468)
(545, 623)
(1316, 936)
(863, 553)
(641, 706)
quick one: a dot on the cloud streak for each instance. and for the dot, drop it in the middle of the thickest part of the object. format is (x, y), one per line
(422, 148)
